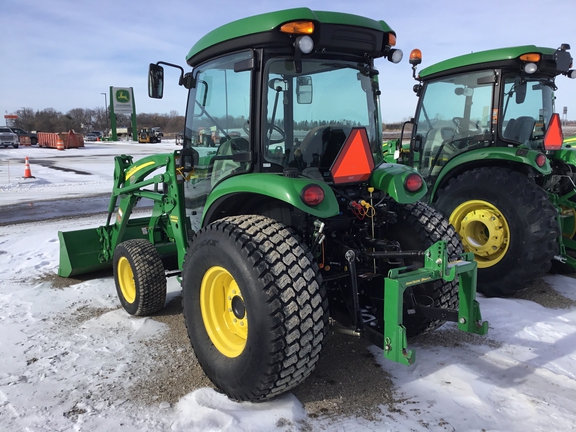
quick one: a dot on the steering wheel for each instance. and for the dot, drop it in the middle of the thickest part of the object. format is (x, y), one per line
(460, 123)
(246, 128)
(280, 131)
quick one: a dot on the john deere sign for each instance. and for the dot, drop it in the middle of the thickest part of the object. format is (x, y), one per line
(121, 102)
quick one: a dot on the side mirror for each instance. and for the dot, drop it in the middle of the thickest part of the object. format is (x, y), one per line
(189, 158)
(417, 143)
(155, 81)
(304, 89)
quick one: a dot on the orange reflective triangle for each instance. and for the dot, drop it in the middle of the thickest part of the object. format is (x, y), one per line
(354, 162)
(553, 138)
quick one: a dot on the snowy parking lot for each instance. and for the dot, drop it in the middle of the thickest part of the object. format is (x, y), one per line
(73, 360)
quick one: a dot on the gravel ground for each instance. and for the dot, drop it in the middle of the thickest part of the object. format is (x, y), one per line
(346, 382)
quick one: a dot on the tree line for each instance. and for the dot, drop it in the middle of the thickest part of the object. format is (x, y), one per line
(84, 120)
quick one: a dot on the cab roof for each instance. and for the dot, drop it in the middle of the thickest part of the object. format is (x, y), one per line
(263, 29)
(490, 58)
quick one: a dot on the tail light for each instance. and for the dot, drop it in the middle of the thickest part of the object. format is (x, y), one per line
(540, 160)
(312, 195)
(413, 182)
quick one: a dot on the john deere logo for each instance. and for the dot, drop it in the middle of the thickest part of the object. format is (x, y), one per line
(122, 96)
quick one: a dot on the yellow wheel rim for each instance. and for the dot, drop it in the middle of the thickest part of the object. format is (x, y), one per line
(483, 230)
(223, 311)
(126, 280)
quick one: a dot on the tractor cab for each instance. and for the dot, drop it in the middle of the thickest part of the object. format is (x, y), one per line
(292, 97)
(497, 98)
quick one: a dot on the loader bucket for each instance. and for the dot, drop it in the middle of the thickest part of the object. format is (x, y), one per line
(79, 252)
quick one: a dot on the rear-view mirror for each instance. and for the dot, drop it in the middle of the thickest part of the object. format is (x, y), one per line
(189, 158)
(155, 81)
(304, 89)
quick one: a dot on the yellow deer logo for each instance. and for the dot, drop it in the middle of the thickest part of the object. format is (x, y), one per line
(123, 96)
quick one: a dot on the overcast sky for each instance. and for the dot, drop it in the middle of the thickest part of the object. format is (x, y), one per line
(64, 54)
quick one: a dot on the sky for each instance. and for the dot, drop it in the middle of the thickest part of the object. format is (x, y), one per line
(64, 54)
(72, 359)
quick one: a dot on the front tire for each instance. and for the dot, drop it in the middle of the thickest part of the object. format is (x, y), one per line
(139, 277)
(507, 221)
(254, 305)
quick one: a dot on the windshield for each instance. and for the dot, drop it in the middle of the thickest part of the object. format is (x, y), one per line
(310, 114)
(526, 110)
(453, 116)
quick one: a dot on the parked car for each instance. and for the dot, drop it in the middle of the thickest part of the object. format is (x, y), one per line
(91, 136)
(98, 134)
(8, 138)
(22, 133)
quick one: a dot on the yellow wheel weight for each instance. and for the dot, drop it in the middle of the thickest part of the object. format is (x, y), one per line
(126, 280)
(223, 311)
(483, 229)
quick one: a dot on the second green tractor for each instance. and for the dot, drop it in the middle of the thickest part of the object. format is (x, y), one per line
(489, 145)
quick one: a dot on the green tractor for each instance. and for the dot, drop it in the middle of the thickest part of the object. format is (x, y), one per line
(287, 220)
(488, 144)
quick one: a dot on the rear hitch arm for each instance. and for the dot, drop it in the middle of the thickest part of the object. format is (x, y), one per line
(436, 267)
(357, 315)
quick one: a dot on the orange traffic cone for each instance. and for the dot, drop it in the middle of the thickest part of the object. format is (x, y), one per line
(60, 144)
(27, 171)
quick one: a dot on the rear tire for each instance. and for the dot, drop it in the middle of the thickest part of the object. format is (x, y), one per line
(419, 226)
(507, 221)
(254, 305)
(139, 277)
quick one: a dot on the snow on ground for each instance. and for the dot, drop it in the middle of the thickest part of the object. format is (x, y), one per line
(70, 357)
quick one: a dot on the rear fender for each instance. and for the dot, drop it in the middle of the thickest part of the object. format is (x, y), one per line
(390, 178)
(566, 154)
(278, 187)
(512, 155)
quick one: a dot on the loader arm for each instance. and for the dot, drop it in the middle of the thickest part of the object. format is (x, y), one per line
(167, 227)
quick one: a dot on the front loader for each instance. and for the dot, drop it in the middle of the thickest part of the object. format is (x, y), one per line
(488, 143)
(289, 220)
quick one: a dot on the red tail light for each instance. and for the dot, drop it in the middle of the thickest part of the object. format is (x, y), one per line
(312, 195)
(540, 160)
(413, 183)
